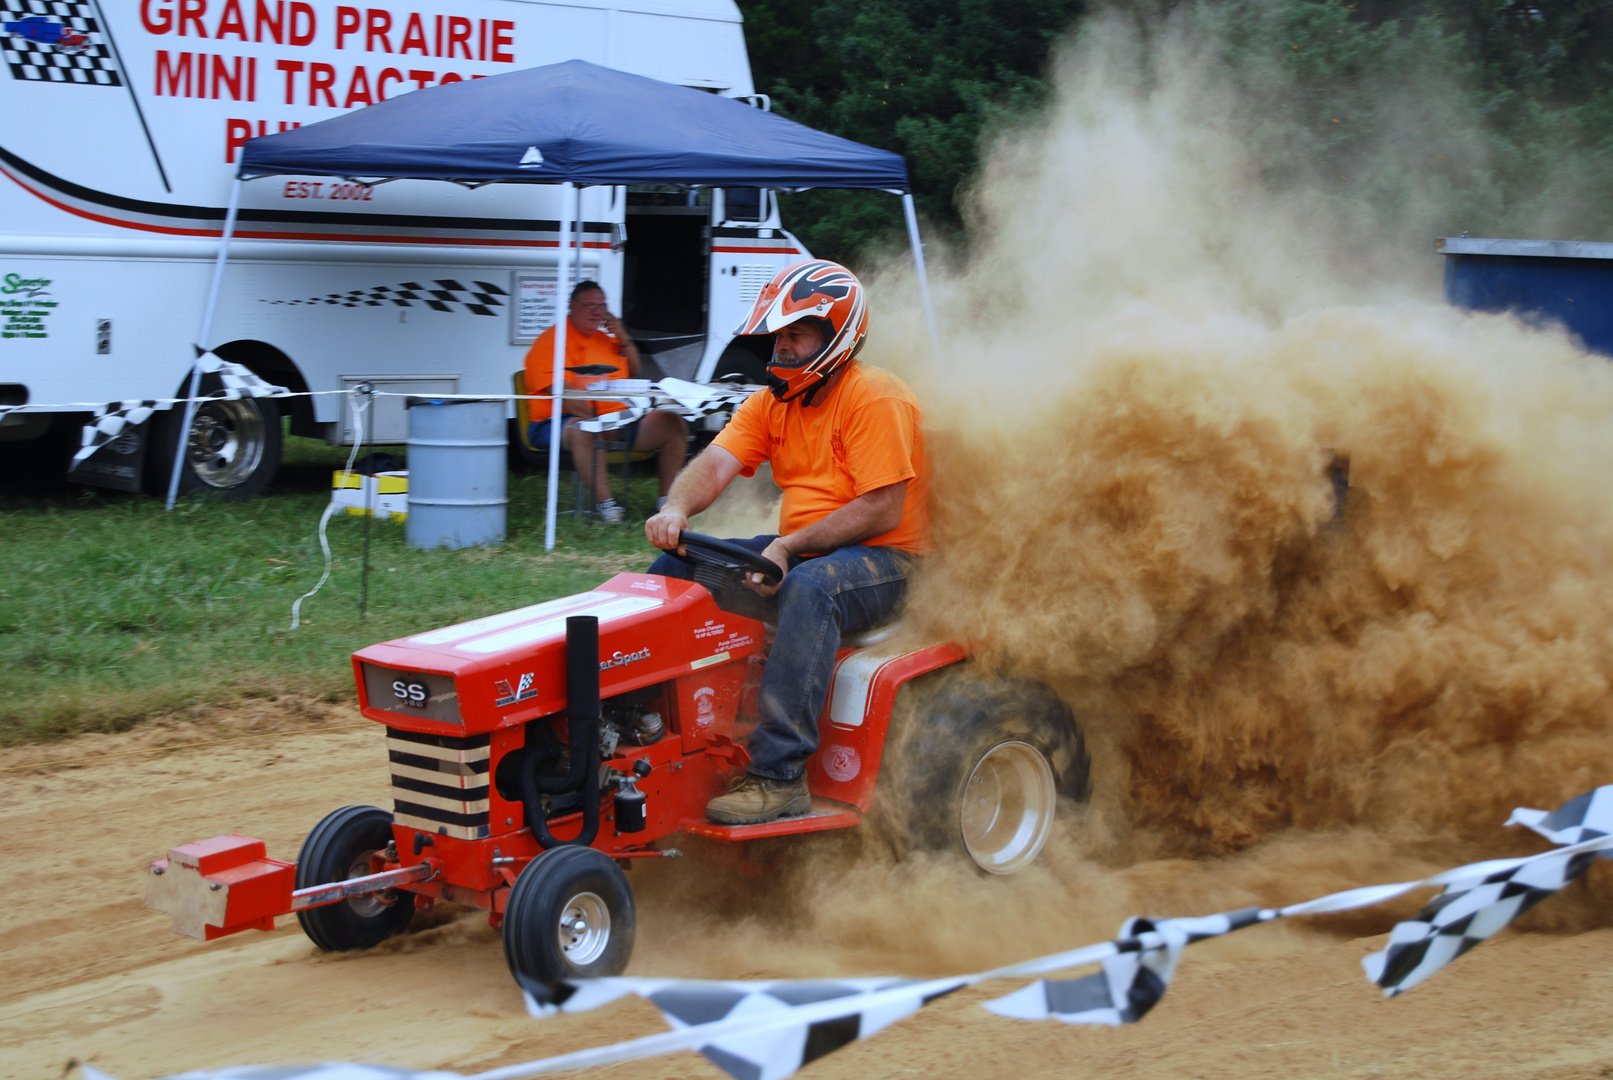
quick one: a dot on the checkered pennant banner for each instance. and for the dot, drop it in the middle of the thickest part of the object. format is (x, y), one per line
(445, 294)
(1584, 817)
(238, 382)
(109, 424)
(111, 421)
(56, 41)
(749, 1030)
(1478, 901)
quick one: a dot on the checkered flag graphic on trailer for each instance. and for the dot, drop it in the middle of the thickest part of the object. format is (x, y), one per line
(478, 298)
(56, 41)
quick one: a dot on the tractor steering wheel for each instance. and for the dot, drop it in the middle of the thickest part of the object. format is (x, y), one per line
(732, 553)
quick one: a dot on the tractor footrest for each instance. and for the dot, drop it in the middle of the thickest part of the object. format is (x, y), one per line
(826, 814)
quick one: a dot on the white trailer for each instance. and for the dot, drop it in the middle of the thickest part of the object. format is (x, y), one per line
(120, 126)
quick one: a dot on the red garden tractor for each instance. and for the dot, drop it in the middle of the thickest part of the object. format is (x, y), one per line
(534, 752)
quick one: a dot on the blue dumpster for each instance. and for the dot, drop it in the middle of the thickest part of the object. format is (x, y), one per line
(1542, 281)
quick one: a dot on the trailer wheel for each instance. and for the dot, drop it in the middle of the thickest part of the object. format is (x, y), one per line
(979, 767)
(339, 848)
(570, 916)
(232, 448)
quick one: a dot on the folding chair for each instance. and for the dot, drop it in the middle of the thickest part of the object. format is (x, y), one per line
(613, 451)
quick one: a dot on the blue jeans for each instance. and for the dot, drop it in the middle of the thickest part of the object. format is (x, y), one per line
(852, 589)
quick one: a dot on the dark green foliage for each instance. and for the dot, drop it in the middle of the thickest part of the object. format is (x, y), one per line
(1483, 115)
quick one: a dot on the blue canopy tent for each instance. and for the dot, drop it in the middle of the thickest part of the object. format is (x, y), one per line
(574, 124)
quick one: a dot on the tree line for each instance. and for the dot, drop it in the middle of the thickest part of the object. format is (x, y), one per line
(1491, 116)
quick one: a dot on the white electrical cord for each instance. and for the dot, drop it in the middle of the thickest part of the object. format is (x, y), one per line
(361, 404)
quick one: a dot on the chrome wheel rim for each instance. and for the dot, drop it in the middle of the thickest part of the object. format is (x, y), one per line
(367, 907)
(584, 929)
(225, 443)
(1008, 805)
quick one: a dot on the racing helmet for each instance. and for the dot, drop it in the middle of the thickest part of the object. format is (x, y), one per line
(825, 292)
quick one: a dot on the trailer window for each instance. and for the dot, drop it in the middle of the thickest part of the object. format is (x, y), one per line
(742, 204)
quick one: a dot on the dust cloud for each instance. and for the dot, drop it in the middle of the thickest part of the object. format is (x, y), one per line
(1151, 357)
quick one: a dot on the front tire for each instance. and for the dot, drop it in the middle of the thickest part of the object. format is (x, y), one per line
(979, 767)
(338, 849)
(570, 916)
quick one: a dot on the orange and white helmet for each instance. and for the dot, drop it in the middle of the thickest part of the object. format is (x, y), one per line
(815, 289)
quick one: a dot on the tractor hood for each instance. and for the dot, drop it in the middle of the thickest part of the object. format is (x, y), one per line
(509, 668)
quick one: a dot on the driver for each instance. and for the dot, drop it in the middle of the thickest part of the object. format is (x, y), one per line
(845, 445)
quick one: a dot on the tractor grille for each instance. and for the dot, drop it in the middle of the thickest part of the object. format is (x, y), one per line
(412, 693)
(439, 782)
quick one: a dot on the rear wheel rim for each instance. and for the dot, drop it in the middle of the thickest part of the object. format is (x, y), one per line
(225, 443)
(584, 929)
(1007, 808)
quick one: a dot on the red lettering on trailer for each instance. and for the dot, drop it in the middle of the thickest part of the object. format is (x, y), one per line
(459, 31)
(348, 21)
(231, 22)
(423, 79)
(191, 11)
(261, 17)
(172, 73)
(231, 77)
(300, 10)
(236, 133)
(358, 89)
(448, 77)
(414, 36)
(503, 41)
(387, 75)
(481, 39)
(321, 77)
(437, 22)
(377, 24)
(156, 26)
(290, 67)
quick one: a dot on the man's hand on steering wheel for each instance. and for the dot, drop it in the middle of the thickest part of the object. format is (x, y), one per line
(778, 553)
(665, 530)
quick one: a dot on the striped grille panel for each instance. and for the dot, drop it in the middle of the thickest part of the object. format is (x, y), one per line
(440, 782)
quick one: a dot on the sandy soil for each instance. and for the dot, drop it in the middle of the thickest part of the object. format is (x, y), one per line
(87, 972)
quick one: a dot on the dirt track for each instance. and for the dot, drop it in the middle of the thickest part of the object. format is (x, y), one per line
(89, 973)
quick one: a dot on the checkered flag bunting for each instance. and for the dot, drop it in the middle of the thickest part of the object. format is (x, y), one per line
(56, 41)
(112, 420)
(770, 1030)
(1584, 817)
(445, 294)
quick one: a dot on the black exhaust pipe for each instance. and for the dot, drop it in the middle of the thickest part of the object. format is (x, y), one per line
(583, 718)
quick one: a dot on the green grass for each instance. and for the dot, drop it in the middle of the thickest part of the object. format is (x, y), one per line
(112, 611)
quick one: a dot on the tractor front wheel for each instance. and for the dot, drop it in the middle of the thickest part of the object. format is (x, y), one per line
(338, 849)
(570, 916)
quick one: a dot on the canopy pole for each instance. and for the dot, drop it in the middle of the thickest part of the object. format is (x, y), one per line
(918, 263)
(204, 336)
(557, 387)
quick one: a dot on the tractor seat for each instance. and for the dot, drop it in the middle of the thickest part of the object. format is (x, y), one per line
(873, 636)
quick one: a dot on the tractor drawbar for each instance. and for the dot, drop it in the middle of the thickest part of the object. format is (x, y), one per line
(582, 711)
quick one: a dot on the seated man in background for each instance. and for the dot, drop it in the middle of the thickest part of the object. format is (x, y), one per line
(846, 445)
(595, 337)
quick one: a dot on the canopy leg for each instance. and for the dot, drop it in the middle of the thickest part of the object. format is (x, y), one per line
(568, 191)
(204, 336)
(918, 263)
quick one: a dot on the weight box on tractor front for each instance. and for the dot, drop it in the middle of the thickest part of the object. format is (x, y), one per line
(534, 752)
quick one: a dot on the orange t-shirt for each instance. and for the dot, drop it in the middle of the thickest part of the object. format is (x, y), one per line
(866, 436)
(596, 348)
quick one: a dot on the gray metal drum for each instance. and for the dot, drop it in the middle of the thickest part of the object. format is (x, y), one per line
(457, 463)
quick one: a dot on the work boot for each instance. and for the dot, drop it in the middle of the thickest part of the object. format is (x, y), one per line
(752, 800)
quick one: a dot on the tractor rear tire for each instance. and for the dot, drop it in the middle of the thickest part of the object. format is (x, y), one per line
(979, 767)
(570, 916)
(337, 849)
